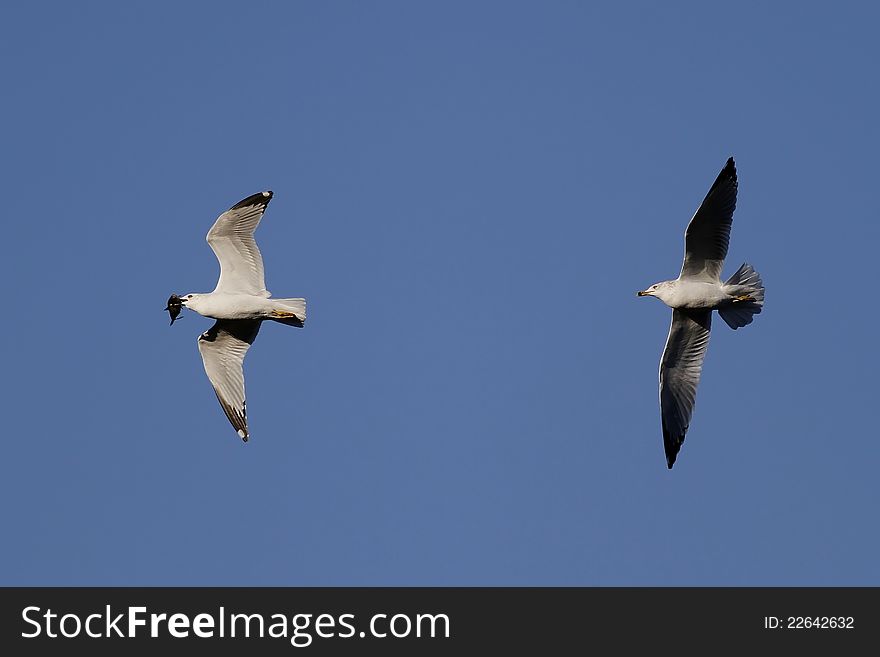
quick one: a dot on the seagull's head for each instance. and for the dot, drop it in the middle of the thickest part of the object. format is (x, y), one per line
(175, 303)
(656, 290)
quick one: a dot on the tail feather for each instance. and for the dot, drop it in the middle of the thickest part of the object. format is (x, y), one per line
(290, 311)
(745, 282)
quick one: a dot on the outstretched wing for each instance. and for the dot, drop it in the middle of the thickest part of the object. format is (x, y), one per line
(680, 369)
(708, 233)
(223, 348)
(232, 239)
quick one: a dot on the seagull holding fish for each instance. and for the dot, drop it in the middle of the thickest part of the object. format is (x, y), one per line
(240, 303)
(693, 296)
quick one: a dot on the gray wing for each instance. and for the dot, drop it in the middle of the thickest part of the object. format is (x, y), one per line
(223, 348)
(232, 240)
(680, 369)
(708, 233)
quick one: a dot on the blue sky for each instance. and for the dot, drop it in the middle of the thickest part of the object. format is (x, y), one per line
(469, 194)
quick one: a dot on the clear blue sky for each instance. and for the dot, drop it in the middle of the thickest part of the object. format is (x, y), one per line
(469, 194)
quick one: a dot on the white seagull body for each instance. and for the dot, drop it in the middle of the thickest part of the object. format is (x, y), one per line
(239, 303)
(693, 296)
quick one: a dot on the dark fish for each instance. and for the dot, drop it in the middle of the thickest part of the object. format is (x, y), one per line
(174, 306)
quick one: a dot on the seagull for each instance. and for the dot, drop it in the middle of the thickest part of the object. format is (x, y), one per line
(240, 303)
(693, 296)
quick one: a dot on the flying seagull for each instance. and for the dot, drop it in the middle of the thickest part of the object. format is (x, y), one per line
(693, 296)
(239, 303)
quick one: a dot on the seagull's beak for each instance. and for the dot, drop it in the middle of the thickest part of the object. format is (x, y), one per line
(643, 293)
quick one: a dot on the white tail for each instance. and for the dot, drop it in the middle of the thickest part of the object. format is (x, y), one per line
(289, 311)
(746, 282)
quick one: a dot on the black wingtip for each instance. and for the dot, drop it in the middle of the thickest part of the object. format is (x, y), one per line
(729, 168)
(260, 198)
(727, 175)
(671, 446)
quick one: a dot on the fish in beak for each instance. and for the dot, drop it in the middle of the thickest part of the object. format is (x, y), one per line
(174, 305)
